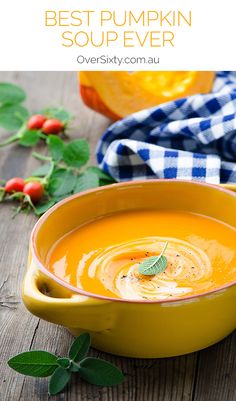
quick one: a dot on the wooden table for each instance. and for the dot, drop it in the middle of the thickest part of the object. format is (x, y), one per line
(209, 375)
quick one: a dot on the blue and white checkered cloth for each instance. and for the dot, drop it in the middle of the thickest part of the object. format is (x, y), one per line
(193, 138)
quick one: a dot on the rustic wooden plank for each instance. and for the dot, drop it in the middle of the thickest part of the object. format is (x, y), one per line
(216, 377)
(18, 327)
(165, 379)
(173, 379)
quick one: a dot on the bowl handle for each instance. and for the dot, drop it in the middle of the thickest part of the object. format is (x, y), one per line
(52, 302)
(231, 187)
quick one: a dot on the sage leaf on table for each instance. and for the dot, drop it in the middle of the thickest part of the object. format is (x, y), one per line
(80, 347)
(58, 380)
(154, 264)
(34, 363)
(64, 362)
(93, 370)
(100, 372)
(11, 94)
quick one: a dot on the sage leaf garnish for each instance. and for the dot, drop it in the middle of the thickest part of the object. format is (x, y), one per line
(154, 264)
(58, 380)
(34, 363)
(93, 370)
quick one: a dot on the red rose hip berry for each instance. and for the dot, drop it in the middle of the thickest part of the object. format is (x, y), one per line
(36, 121)
(34, 189)
(52, 126)
(15, 184)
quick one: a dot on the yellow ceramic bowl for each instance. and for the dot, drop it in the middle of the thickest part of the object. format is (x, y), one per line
(131, 328)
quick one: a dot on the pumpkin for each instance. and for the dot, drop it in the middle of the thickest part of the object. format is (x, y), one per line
(117, 94)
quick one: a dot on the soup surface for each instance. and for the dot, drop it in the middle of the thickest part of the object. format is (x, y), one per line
(103, 256)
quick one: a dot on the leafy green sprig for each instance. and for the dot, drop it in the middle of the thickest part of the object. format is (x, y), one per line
(64, 172)
(43, 364)
(14, 117)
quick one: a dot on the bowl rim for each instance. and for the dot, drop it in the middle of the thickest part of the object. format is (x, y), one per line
(75, 290)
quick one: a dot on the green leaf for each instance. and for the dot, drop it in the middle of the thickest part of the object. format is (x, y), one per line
(76, 153)
(12, 117)
(2, 194)
(74, 367)
(62, 182)
(86, 181)
(154, 264)
(103, 183)
(56, 147)
(59, 198)
(63, 362)
(34, 363)
(41, 209)
(29, 138)
(58, 380)
(100, 372)
(80, 347)
(42, 170)
(58, 113)
(101, 175)
(11, 94)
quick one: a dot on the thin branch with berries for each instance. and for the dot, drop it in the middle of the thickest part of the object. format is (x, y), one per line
(27, 130)
(65, 169)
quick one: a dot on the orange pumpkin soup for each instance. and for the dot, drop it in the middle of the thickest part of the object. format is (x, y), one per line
(103, 257)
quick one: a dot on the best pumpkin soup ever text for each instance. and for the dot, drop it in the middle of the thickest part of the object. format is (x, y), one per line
(128, 28)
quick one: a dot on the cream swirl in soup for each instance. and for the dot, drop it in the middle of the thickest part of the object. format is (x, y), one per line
(117, 268)
(103, 256)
